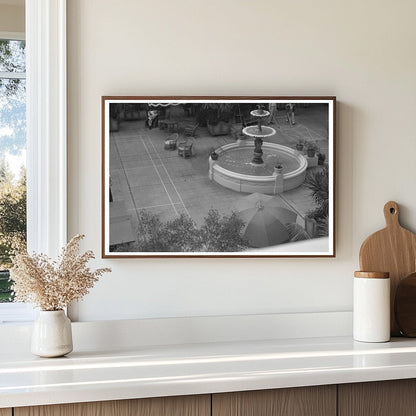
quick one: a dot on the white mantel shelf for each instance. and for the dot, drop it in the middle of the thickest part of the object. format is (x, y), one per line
(151, 371)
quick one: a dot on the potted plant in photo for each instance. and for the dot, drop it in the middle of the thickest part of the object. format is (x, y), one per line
(52, 286)
(218, 117)
(311, 148)
(278, 168)
(115, 111)
(300, 145)
(213, 154)
(321, 158)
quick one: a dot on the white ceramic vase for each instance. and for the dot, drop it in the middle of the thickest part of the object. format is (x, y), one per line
(52, 334)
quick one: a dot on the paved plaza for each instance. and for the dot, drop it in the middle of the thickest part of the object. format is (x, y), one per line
(146, 176)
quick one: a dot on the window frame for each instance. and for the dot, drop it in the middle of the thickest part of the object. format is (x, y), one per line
(46, 136)
(46, 125)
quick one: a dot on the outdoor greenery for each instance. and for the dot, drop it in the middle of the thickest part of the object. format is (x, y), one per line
(179, 234)
(213, 113)
(222, 234)
(217, 234)
(12, 55)
(12, 223)
(318, 182)
(323, 226)
(6, 294)
(12, 145)
(12, 214)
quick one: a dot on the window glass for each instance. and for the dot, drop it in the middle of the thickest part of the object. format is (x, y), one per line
(12, 56)
(12, 156)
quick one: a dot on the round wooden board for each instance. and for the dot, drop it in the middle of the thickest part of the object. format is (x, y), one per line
(405, 305)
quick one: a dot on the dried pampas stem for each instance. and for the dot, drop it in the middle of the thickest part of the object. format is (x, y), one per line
(53, 285)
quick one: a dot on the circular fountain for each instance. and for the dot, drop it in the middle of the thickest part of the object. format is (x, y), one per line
(258, 166)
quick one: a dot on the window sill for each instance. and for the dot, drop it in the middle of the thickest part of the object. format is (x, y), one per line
(16, 313)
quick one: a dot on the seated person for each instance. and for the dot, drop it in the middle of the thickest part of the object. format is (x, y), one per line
(152, 118)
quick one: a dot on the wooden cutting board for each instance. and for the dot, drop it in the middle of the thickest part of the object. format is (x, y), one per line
(392, 250)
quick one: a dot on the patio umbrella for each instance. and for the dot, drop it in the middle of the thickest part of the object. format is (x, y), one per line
(265, 219)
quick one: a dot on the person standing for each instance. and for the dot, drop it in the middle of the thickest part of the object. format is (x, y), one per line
(273, 113)
(290, 113)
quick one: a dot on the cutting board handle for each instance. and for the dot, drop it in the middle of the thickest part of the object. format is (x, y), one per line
(391, 214)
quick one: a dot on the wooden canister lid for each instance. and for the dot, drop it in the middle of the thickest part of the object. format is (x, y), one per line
(372, 275)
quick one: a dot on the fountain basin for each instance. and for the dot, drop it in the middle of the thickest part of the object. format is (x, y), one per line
(233, 169)
(253, 131)
(260, 113)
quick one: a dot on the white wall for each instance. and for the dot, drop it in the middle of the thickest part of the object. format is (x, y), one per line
(12, 17)
(361, 51)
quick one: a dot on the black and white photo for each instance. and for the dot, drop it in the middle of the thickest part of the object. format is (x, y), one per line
(218, 176)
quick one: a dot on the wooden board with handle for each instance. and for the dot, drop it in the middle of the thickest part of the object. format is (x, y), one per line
(392, 250)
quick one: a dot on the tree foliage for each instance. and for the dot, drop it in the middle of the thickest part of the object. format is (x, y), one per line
(213, 113)
(223, 234)
(217, 234)
(323, 226)
(6, 294)
(318, 182)
(179, 234)
(12, 56)
(12, 213)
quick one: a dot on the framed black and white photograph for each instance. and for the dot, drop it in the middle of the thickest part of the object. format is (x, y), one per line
(218, 177)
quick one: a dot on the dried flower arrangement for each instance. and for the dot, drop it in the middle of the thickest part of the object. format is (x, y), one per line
(53, 285)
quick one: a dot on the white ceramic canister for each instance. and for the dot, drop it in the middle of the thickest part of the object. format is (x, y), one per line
(371, 314)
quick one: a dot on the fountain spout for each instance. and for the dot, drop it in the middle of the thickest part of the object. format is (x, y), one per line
(258, 134)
